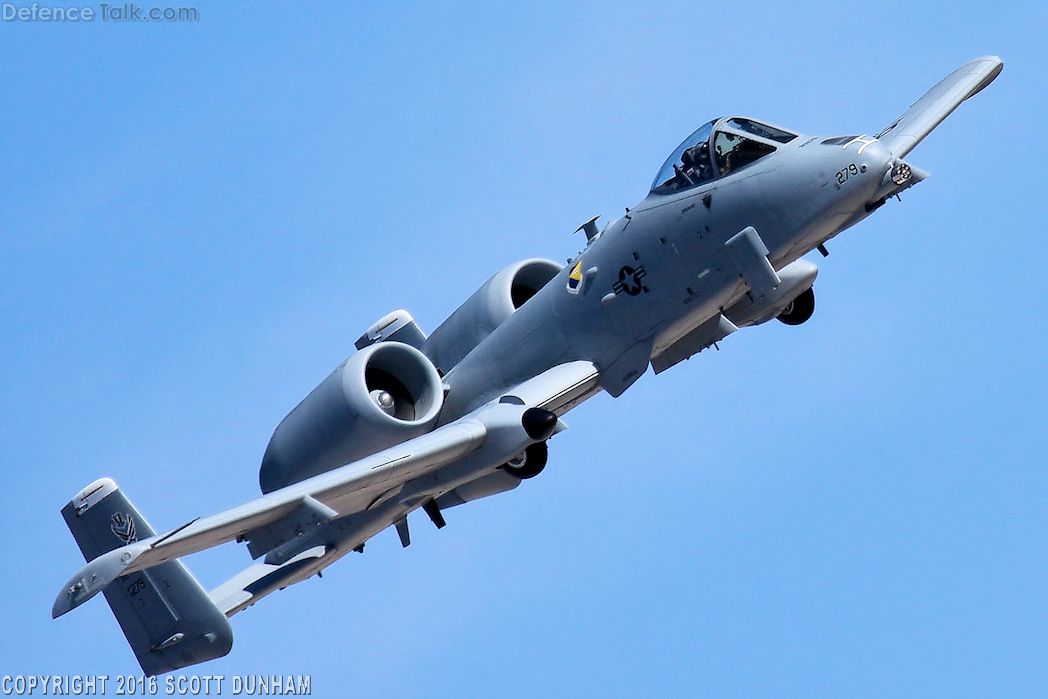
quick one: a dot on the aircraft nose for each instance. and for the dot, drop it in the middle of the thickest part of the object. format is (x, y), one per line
(877, 159)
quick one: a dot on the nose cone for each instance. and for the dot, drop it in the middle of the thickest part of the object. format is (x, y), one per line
(887, 174)
(877, 158)
(865, 165)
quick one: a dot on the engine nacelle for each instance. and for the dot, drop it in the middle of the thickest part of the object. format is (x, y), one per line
(796, 278)
(381, 396)
(487, 309)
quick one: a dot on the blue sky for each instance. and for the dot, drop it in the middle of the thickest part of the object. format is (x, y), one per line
(198, 220)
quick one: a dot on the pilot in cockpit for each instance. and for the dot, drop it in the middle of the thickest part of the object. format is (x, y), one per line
(696, 162)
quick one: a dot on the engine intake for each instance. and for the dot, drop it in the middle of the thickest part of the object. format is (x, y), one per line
(487, 309)
(381, 396)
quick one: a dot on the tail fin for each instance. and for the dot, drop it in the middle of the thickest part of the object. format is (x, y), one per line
(169, 620)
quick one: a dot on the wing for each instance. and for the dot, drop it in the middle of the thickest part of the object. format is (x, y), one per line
(340, 509)
(903, 134)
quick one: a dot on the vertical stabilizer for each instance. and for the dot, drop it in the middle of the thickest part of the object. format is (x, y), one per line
(168, 619)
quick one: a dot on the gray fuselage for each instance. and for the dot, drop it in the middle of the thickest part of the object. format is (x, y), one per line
(795, 197)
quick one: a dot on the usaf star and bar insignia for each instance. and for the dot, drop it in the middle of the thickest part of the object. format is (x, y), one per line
(630, 281)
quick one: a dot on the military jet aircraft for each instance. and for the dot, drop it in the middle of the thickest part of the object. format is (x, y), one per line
(413, 421)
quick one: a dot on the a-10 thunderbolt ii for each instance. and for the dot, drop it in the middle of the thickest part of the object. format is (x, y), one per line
(413, 421)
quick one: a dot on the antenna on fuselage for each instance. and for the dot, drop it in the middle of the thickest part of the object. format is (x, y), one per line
(589, 228)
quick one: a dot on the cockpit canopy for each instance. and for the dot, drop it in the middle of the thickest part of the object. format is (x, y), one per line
(716, 149)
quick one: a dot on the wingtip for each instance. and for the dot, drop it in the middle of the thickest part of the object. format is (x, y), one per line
(991, 75)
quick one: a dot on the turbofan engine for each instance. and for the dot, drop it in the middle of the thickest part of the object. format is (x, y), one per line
(382, 395)
(486, 309)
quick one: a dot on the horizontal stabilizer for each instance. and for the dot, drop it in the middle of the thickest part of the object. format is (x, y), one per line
(903, 134)
(251, 585)
(401, 462)
(169, 620)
